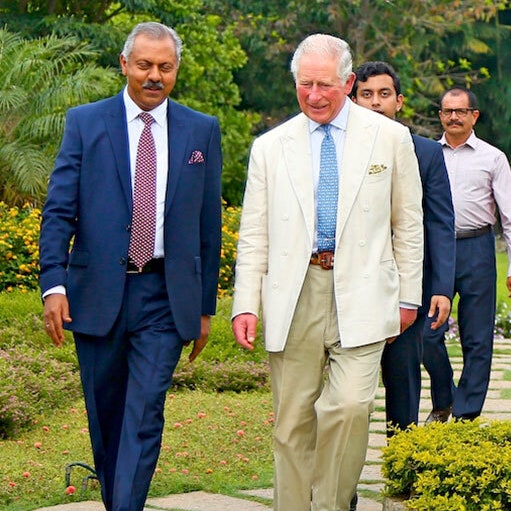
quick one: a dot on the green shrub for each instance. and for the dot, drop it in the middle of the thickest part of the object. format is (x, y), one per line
(35, 376)
(32, 385)
(236, 376)
(19, 250)
(230, 227)
(503, 321)
(456, 466)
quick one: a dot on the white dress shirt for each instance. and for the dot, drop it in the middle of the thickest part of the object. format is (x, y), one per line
(160, 135)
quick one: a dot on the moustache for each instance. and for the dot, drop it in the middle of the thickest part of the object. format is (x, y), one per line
(454, 123)
(152, 85)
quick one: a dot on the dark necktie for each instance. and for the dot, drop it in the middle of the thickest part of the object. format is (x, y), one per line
(143, 224)
(328, 189)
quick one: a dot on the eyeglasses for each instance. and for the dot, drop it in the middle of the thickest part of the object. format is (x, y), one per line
(460, 112)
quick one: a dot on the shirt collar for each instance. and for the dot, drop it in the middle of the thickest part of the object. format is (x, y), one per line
(159, 113)
(340, 121)
(470, 142)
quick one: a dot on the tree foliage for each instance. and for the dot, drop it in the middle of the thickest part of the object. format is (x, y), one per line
(431, 43)
(39, 80)
(211, 55)
(237, 53)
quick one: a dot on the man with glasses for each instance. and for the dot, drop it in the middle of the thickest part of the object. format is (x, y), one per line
(480, 179)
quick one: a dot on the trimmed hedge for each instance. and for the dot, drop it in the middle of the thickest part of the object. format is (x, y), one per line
(455, 466)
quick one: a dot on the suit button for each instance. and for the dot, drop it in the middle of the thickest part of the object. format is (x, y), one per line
(128, 227)
(122, 261)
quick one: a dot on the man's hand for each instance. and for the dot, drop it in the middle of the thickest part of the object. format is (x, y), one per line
(200, 343)
(442, 305)
(408, 316)
(244, 328)
(56, 313)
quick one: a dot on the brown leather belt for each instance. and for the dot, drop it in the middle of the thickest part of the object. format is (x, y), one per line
(323, 259)
(152, 266)
(473, 233)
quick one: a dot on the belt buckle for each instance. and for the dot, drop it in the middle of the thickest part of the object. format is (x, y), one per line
(326, 260)
(136, 270)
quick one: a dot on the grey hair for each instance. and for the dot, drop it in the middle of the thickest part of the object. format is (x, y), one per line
(153, 30)
(326, 45)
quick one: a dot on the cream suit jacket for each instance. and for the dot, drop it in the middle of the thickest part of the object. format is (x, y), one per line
(379, 235)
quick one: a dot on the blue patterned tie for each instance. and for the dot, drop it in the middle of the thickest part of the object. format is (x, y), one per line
(328, 189)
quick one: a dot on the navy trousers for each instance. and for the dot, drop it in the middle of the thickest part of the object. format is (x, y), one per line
(125, 378)
(475, 283)
(401, 375)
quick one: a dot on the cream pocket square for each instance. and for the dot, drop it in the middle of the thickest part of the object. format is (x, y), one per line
(376, 168)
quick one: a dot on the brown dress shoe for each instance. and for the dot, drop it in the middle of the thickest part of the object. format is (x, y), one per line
(440, 415)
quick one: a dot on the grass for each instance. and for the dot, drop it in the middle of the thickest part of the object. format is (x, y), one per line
(212, 442)
(217, 442)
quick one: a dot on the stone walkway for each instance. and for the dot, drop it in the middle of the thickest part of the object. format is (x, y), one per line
(497, 406)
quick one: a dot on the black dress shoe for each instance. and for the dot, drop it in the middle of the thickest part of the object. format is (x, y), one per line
(354, 502)
(439, 415)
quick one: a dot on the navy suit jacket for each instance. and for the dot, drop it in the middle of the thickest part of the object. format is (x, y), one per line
(439, 240)
(89, 206)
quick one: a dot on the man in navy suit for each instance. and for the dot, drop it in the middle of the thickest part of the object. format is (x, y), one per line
(130, 320)
(378, 87)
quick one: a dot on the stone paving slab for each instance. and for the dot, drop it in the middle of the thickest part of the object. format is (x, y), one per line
(87, 505)
(202, 501)
(371, 479)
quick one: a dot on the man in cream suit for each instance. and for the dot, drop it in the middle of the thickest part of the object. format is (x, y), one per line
(333, 306)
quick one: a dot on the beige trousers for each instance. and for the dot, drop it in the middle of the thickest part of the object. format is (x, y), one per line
(321, 417)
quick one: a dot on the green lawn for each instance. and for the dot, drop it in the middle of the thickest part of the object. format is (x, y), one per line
(213, 441)
(217, 442)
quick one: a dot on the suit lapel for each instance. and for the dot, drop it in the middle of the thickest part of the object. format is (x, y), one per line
(117, 130)
(297, 153)
(358, 146)
(178, 133)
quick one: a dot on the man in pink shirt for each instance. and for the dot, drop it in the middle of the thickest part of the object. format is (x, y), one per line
(480, 179)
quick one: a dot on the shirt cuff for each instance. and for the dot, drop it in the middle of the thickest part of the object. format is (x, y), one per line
(56, 290)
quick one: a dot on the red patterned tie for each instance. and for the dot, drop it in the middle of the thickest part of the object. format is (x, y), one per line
(143, 224)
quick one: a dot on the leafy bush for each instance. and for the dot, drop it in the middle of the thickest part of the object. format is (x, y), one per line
(31, 385)
(503, 321)
(455, 466)
(230, 227)
(35, 376)
(233, 376)
(19, 250)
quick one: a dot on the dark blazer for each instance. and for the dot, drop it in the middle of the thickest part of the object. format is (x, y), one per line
(90, 201)
(439, 241)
